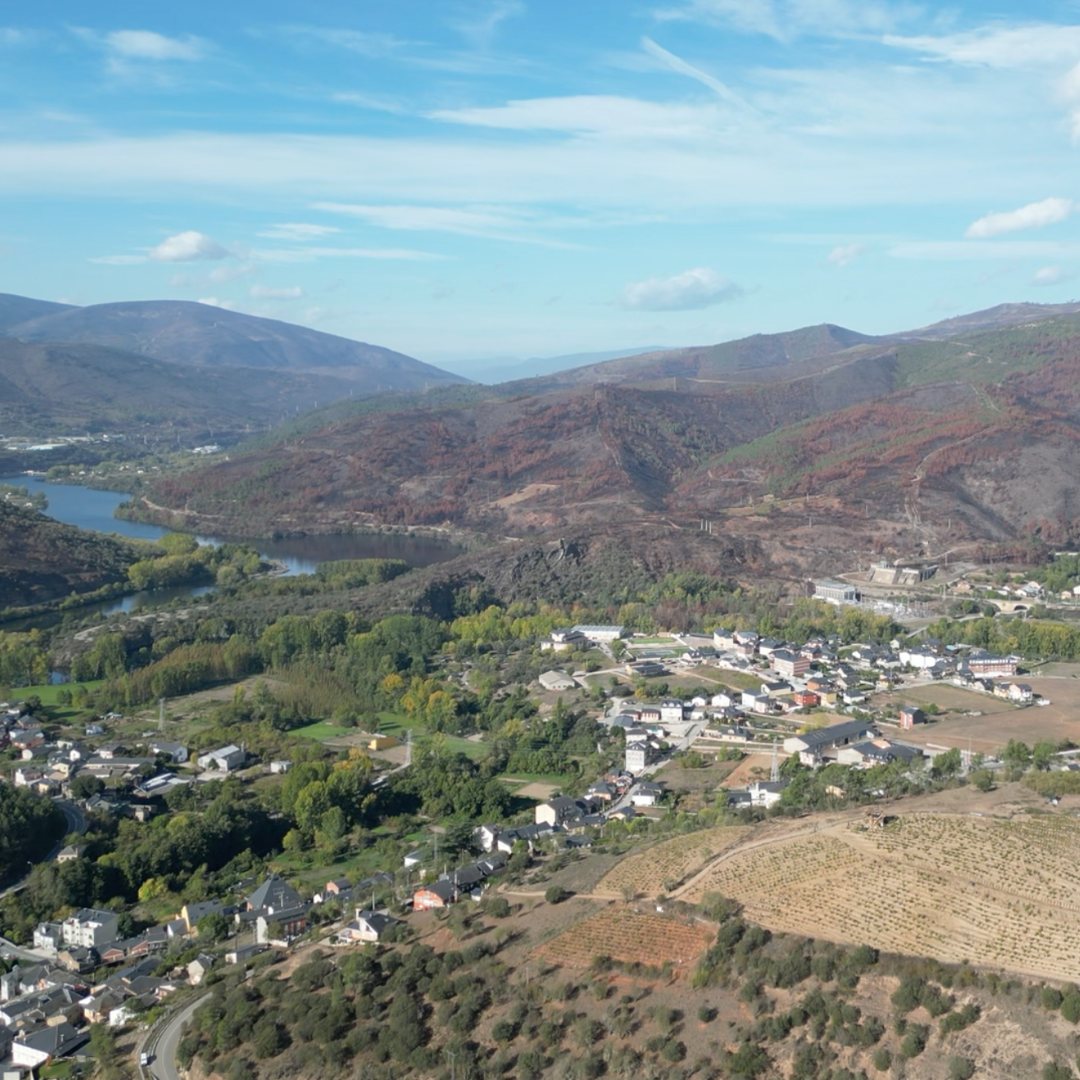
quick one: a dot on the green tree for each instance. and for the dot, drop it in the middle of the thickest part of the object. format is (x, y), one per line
(947, 765)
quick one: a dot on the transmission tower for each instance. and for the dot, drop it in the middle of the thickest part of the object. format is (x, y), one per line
(774, 772)
(408, 747)
(161, 714)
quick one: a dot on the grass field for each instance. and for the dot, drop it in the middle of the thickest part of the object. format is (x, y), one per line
(49, 694)
(396, 725)
(322, 731)
(995, 891)
(665, 865)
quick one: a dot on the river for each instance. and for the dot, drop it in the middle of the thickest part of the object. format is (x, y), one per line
(92, 509)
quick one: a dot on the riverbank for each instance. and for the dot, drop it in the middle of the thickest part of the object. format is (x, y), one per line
(141, 509)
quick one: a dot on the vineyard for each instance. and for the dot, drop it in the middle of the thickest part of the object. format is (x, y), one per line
(996, 892)
(662, 867)
(628, 937)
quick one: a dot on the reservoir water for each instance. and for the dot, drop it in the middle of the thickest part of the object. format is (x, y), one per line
(92, 509)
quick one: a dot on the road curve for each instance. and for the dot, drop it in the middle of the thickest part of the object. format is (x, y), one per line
(163, 1045)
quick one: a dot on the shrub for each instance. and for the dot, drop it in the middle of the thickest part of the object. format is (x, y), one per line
(1070, 1008)
(1051, 998)
(673, 1050)
(961, 1068)
(914, 1041)
(882, 1059)
(498, 907)
(1053, 1071)
(906, 996)
(556, 894)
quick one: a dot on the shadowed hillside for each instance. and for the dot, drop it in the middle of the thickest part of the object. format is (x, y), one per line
(41, 559)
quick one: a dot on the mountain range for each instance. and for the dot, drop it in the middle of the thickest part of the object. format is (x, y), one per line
(180, 366)
(820, 445)
(807, 447)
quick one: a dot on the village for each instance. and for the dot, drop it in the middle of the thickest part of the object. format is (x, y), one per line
(755, 697)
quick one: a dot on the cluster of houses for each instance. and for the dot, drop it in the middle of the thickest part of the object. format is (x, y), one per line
(45, 1008)
(454, 885)
(47, 766)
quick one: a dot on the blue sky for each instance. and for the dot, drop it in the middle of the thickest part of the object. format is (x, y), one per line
(514, 178)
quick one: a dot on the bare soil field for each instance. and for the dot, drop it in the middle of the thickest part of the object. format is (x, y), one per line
(629, 937)
(751, 768)
(664, 866)
(536, 790)
(1000, 721)
(997, 891)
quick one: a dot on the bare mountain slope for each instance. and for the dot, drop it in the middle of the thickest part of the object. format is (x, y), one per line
(709, 362)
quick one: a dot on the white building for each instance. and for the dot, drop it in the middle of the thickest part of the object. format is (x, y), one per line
(90, 928)
(606, 634)
(672, 711)
(224, 760)
(637, 757)
(556, 680)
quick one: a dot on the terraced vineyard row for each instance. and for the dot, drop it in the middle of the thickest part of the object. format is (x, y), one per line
(657, 869)
(994, 892)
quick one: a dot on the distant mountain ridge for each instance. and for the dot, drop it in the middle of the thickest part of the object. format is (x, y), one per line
(179, 368)
(180, 331)
(20, 309)
(73, 388)
(491, 372)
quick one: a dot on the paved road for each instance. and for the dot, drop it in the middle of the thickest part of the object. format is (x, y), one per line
(9, 948)
(75, 822)
(164, 1043)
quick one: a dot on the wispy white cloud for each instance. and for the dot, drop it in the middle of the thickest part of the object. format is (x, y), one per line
(493, 223)
(213, 301)
(1068, 90)
(119, 260)
(749, 16)
(480, 30)
(301, 232)
(311, 254)
(676, 63)
(689, 291)
(954, 250)
(1051, 275)
(598, 114)
(189, 246)
(1035, 215)
(846, 254)
(787, 19)
(1041, 46)
(150, 45)
(367, 43)
(265, 292)
(14, 37)
(368, 101)
(221, 275)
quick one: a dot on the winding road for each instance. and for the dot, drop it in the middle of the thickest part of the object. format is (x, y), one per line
(76, 823)
(163, 1044)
